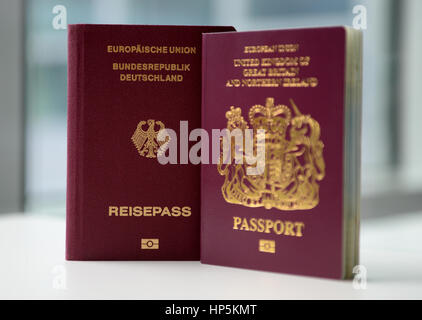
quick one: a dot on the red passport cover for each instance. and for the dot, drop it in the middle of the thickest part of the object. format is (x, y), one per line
(300, 92)
(121, 203)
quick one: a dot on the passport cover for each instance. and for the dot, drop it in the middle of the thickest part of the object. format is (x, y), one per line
(125, 83)
(290, 219)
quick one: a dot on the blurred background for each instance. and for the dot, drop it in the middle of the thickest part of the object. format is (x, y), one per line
(33, 75)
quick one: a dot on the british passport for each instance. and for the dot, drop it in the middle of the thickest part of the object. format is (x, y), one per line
(301, 89)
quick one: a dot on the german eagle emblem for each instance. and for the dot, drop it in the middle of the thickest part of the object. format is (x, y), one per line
(145, 138)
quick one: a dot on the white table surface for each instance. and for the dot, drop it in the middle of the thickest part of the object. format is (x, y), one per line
(32, 266)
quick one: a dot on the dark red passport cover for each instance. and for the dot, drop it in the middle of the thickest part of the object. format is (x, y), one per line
(106, 169)
(311, 73)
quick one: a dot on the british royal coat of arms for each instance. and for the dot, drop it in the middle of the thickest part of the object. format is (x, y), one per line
(294, 162)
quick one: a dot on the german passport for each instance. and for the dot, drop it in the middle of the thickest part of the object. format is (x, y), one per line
(300, 89)
(125, 84)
